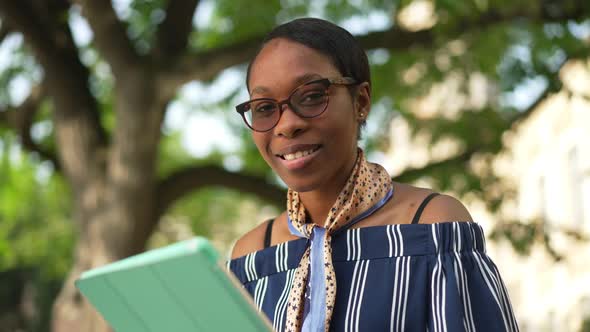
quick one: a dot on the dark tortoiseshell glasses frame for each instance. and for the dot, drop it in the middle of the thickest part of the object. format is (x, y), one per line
(309, 100)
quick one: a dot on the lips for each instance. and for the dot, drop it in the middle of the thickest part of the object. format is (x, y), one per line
(297, 151)
(298, 156)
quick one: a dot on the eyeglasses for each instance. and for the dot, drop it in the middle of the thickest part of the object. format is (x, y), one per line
(307, 101)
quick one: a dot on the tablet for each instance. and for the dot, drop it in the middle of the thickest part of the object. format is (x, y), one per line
(181, 287)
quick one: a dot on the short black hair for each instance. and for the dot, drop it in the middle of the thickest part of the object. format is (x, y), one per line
(335, 42)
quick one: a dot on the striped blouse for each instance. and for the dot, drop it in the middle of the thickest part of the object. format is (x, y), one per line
(418, 277)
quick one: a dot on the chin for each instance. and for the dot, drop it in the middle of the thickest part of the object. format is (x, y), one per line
(302, 188)
(300, 185)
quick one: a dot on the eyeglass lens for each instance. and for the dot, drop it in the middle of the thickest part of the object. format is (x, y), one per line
(307, 101)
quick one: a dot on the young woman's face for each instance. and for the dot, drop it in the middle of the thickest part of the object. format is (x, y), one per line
(313, 153)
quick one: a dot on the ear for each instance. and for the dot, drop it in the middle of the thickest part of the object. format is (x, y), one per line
(362, 102)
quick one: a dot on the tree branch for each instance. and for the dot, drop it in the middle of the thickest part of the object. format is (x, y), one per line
(4, 31)
(206, 65)
(20, 15)
(173, 32)
(109, 35)
(412, 174)
(78, 130)
(399, 39)
(190, 179)
(21, 119)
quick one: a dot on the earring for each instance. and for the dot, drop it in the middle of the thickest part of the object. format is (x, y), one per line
(362, 115)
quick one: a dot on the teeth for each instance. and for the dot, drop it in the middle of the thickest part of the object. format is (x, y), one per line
(297, 154)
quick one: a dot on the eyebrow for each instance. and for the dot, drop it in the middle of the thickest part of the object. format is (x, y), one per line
(297, 82)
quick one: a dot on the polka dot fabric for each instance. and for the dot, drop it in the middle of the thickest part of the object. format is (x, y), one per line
(367, 185)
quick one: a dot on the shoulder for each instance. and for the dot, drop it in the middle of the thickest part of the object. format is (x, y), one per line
(406, 201)
(440, 208)
(251, 241)
(444, 208)
(254, 239)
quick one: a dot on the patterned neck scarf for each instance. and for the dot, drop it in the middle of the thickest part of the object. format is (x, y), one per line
(368, 188)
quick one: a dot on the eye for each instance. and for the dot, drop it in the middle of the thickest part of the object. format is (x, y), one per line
(313, 97)
(263, 109)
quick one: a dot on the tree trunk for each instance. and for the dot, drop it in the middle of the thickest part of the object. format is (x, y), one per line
(115, 197)
(107, 234)
(71, 311)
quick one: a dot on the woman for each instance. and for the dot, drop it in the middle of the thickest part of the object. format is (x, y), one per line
(353, 250)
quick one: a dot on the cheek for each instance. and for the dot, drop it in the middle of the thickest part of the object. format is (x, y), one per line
(261, 142)
(258, 141)
(344, 124)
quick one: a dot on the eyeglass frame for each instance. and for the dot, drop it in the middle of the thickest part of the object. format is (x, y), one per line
(346, 81)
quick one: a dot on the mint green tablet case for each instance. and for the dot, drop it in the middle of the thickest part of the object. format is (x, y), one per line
(178, 288)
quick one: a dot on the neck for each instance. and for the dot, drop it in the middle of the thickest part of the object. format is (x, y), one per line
(319, 202)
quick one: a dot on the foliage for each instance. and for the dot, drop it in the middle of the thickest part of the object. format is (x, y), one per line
(36, 235)
(35, 227)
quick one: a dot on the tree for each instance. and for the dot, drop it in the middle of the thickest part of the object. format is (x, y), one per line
(107, 147)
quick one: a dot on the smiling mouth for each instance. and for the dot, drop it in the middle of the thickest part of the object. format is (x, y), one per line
(299, 154)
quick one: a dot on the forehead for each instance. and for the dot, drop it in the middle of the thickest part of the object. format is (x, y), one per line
(286, 64)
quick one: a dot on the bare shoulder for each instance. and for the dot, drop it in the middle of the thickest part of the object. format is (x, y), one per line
(441, 208)
(254, 239)
(444, 208)
(250, 242)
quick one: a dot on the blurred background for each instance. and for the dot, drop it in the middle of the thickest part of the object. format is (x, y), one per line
(118, 134)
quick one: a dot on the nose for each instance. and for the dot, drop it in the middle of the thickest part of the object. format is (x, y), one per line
(290, 124)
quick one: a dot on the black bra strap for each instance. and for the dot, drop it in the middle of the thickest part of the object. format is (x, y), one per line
(268, 233)
(422, 206)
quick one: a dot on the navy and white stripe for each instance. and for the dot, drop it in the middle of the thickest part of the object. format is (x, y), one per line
(497, 289)
(260, 292)
(438, 288)
(395, 240)
(250, 267)
(281, 306)
(355, 296)
(282, 256)
(393, 278)
(353, 244)
(462, 282)
(401, 282)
